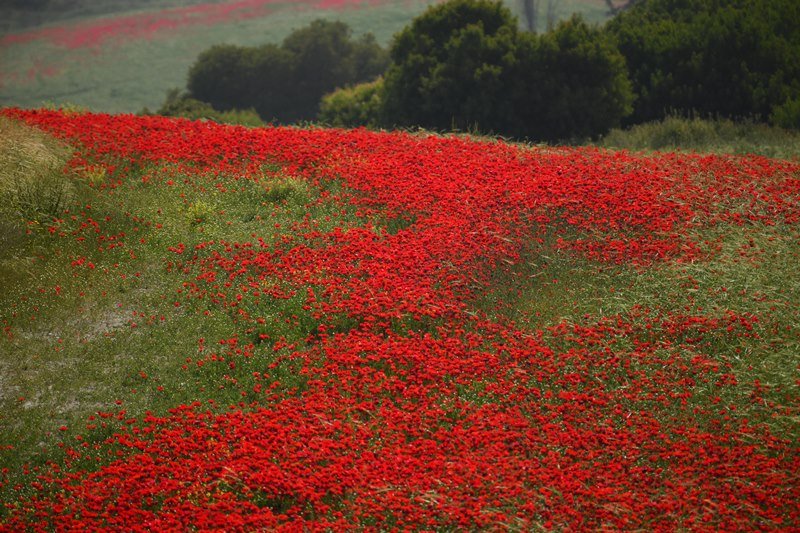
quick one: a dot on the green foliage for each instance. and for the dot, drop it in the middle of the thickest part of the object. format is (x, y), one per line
(223, 75)
(360, 105)
(716, 58)
(572, 84)
(452, 68)
(64, 107)
(285, 83)
(464, 65)
(722, 135)
(787, 115)
(288, 191)
(199, 212)
(326, 57)
(182, 105)
(33, 184)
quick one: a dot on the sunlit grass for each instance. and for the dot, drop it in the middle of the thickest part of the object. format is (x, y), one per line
(716, 136)
(88, 327)
(749, 283)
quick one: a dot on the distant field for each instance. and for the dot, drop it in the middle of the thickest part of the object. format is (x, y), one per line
(125, 61)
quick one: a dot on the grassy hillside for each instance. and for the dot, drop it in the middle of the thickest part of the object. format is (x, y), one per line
(94, 310)
(127, 60)
(212, 326)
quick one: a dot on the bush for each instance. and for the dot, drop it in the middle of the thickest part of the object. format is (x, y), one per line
(572, 84)
(182, 105)
(68, 108)
(325, 57)
(352, 107)
(462, 64)
(452, 67)
(715, 58)
(787, 115)
(285, 83)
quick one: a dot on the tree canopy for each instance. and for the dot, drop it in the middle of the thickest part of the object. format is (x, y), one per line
(463, 64)
(452, 67)
(571, 83)
(729, 58)
(285, 83)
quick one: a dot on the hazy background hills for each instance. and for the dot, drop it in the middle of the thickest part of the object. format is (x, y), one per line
(123, 55)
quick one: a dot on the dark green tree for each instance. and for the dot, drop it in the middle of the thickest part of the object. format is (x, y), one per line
(728, 58)
(285, 83)
(571, 84)
(325, 57)
(463, 64)
(222, 76)
(452, 66)
(269, 85)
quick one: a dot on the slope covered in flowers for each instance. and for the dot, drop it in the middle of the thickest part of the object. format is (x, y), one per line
(412, 399)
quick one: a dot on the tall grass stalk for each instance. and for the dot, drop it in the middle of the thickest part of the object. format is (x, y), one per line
(700, 135)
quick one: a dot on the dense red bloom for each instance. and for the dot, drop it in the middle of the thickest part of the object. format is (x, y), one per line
(417, 412)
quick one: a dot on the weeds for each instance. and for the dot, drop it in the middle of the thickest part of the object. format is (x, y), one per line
(33, 182)
(720, 136)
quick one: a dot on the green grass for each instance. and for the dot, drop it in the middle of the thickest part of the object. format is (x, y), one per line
(751, 272)
(121, 334)
(719, 136)
(122, 338)
(124, 77)
(128, 76)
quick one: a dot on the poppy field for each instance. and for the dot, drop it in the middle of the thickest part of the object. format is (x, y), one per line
(321, 329)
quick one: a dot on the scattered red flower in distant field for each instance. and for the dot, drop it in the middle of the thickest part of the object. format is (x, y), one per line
(148, 25)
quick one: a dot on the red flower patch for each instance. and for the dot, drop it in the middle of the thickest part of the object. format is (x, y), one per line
(415, 411)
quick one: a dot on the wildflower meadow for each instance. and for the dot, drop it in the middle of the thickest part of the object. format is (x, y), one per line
(224, 328)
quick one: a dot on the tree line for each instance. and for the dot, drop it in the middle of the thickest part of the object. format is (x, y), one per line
(466, 65)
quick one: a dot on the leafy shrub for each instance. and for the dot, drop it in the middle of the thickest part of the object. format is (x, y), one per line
(463, 64)
(182, 105)
(360, 105)
(572, 84)
(287, 190)
(285, 83)
(716, 58)
(452, 67)
(68, 108)
(224, 75)
(787, 115)
(199, 212)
